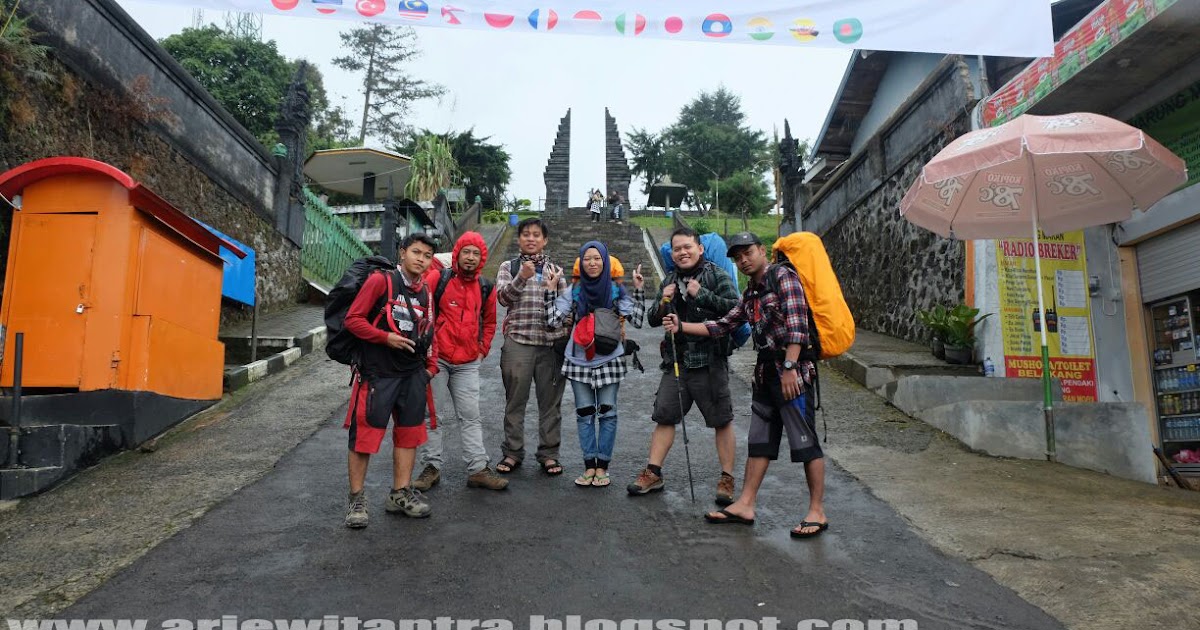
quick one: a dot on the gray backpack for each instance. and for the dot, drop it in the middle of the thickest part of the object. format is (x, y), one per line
(609, 330)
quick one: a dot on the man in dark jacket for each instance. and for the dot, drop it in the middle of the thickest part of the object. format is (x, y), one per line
(393, 316)
(466, 322)
(698, 290)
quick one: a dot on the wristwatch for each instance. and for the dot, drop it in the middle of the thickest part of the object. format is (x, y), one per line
(790, 365)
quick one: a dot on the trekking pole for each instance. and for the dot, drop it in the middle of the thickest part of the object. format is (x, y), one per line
(682, 421)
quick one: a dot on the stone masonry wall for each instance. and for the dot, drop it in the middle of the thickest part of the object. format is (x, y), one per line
(890, 269)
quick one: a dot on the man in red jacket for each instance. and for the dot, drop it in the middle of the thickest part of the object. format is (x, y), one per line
(466, 322)
(393, 314)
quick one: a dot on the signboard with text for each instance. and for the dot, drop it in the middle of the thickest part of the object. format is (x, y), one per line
(1068, 312)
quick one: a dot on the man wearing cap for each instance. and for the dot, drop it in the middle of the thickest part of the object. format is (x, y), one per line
(777, 311)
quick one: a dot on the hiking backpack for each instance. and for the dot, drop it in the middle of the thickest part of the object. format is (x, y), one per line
(341, 345)
(717, 254)
(831, 324)
(485, 291)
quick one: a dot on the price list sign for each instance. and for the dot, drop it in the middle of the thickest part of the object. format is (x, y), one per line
(1068, 312)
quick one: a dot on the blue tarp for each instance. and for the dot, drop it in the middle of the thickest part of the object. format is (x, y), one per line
(238, 282)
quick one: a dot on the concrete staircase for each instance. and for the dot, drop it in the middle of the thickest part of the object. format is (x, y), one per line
(571, 229)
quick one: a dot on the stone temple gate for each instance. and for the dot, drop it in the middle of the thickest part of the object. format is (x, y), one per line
(558, 168)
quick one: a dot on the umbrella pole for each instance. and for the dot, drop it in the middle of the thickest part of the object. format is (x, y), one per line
(1047, 401)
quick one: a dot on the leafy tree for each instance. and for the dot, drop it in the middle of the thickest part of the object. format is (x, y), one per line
(383, 54)
(249, 78)
(485, 165)
(745, 192)
(710, 140)
(648, 156)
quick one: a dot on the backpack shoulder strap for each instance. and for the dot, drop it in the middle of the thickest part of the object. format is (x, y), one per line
(443, 280)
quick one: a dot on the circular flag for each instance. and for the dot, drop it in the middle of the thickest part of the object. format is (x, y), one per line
(848, 30)
(717, 25)
(286, 5)
(804, 30)
(632, 25)
(673, 25)
(413, 9)
(327, 10)
(761, 29)
(587, 15)
(543, 20)
(370, 8)
(497, 20)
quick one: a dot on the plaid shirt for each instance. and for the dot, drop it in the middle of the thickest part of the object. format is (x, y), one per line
(525, 321)
(778, 320)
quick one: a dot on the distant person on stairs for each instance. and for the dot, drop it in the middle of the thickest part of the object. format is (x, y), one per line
(466, 322)
(595, 204)
(532, 353)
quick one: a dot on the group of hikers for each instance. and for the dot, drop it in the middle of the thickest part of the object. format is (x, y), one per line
(419, 324)
(595, 205)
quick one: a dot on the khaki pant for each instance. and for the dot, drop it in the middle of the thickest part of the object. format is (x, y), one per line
(522, 366)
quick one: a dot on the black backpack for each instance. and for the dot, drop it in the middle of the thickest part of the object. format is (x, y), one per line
(485, 291)
(341, 345)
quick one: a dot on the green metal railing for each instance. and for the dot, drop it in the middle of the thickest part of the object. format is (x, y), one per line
(329, 245)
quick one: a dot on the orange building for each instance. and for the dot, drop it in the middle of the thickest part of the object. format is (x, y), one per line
(113, 287)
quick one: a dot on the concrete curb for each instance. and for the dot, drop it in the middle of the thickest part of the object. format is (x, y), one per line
(241, 376)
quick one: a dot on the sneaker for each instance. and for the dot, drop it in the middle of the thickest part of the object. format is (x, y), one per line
(487, 478)
(646, 483)
(427, 479)
(408, 502)
(725, 490)
(356, 512)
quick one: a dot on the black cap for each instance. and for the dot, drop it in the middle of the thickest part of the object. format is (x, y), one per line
(740, 240)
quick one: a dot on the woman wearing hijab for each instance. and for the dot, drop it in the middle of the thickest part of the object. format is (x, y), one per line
(594, 376)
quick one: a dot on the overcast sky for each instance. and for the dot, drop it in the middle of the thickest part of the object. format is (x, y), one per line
(515, 87)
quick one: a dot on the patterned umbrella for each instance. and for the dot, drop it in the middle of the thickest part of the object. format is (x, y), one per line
(1053, 173)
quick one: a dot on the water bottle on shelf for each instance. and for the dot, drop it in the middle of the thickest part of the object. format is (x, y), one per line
(989, 368)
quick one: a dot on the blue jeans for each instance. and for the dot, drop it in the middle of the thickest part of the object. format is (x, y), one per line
(596, 407)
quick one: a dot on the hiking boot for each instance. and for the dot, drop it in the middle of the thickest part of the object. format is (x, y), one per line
(646, 483)
(356, 511)
(725, 490)
(427, 479)
(487, 478)
(409, 502)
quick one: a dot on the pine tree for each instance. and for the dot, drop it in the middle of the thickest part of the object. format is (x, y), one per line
(382, 54)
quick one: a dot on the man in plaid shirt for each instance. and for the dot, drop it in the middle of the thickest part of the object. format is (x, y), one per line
(532, 354)
(777, 311)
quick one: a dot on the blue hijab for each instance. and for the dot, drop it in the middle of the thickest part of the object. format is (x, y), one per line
(594, 293)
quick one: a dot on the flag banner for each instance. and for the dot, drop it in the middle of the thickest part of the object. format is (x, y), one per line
(1015, 28)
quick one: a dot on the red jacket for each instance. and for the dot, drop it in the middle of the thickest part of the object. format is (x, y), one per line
(460, 312)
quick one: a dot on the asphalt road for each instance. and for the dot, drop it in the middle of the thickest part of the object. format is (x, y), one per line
(277, 548)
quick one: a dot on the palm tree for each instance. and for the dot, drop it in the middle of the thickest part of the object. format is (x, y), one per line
(432, 168)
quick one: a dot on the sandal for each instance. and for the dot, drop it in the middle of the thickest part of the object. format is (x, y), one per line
(507, 465)
(821, 527)
(583, 481)
(601, 481)
(727, 518)
(552, 467)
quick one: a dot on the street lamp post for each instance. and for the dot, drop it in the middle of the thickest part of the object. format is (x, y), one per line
(710, 170)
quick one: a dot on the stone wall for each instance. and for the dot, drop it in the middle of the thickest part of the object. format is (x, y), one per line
(616, 166)
(153, 125)
(888, 268)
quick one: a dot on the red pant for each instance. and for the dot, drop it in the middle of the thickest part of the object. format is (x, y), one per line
(375, 401)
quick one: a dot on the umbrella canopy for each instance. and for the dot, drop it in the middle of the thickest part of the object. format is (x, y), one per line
(1070, 171)
(1049, 173)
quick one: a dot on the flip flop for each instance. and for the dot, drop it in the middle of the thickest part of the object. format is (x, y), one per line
(546, 466)
(601, 481)
(796, 533)
(504, 467)
(729, 518)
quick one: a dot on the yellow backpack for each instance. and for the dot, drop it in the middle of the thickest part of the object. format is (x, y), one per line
(805, 253)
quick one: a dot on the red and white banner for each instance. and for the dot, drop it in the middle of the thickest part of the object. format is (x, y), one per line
(1016, 28)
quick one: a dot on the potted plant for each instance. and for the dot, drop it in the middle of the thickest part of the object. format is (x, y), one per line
(960, 333)
(935, 320)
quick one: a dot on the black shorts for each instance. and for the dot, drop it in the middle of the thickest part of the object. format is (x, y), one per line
(771, 415)
(375, 400)
(707, 387)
